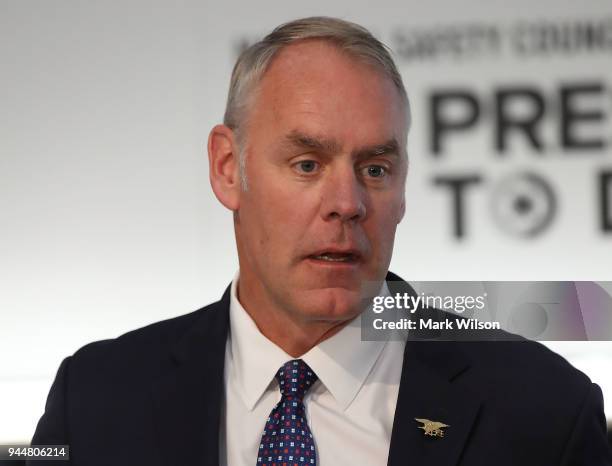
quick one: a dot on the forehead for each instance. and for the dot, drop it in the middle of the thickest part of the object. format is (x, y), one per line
(314, 87)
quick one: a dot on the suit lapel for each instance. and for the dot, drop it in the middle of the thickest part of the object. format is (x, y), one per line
(427, 391)
(431, 388)
(188, 399)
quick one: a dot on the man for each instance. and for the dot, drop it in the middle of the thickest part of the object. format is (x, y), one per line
(311, 159)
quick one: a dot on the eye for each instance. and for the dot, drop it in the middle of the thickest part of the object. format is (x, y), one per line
(375, 171)
(307, 166)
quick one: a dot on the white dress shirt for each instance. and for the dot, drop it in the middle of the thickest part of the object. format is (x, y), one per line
(350, 409)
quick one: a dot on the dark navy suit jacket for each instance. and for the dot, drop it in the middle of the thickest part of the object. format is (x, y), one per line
(154, 397)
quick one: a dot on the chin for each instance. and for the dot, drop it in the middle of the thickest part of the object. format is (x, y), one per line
(333, 304)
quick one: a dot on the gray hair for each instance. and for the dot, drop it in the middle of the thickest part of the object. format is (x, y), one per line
(255, 60)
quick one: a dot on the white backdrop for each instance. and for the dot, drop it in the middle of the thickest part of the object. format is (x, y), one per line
(107, 220)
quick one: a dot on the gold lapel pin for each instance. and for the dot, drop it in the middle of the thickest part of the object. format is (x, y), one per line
(432, 428)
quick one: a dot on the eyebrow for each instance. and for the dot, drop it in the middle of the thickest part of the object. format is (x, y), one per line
(305, 141)
(330, 146)
(391, 147)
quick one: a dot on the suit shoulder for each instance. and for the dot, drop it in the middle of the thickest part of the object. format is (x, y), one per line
(528, 363)
(141, 348)
(505, 355)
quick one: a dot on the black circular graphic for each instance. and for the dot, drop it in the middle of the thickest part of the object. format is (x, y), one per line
(529, 320)
(523, 204)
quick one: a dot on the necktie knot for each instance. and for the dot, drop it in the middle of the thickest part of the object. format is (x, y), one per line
(295, 378)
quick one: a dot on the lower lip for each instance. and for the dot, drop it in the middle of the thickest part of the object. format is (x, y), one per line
(333, 264)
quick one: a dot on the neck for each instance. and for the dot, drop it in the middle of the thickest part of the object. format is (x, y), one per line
(293, 335)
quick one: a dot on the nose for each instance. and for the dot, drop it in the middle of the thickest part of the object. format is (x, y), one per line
(344, 197)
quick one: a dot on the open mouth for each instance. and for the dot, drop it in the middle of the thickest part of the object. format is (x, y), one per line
(335, 257)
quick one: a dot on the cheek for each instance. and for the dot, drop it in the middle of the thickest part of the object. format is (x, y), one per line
(273, 219)
(385, 235)
(383, 225)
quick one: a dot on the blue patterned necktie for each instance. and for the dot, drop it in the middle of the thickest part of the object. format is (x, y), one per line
(286, 439)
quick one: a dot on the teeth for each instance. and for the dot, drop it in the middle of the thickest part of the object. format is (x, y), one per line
(335, 257)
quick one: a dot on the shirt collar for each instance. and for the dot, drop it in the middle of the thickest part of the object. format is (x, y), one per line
(342, 362)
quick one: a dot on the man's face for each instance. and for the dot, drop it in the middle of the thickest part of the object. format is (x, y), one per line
(325, 168)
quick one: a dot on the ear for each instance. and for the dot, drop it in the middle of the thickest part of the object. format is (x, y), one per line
(403, 204)
(223, 166)
(402, 209)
